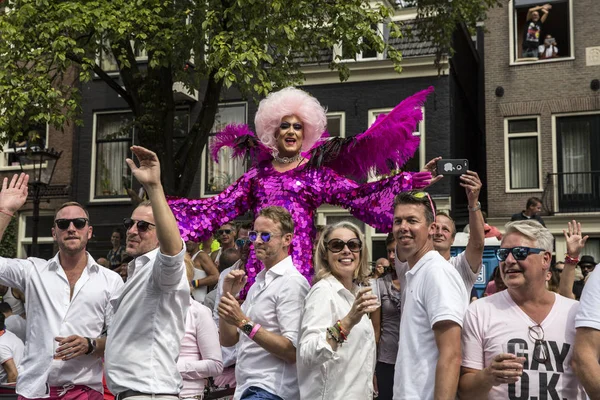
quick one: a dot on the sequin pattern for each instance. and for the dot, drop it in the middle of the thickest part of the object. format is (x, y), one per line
(301, 191)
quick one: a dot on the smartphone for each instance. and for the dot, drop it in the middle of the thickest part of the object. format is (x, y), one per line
(452, 166)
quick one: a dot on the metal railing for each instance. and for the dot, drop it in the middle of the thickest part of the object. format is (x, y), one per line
(572, 192)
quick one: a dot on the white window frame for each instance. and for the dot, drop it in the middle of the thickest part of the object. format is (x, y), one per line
(6, 149)
(342, 115)
(538, 136)
(420, 132)
(338, 50)
(204, 154)
(512, 29)
(23, 240)
(143, 57)
(93, 162)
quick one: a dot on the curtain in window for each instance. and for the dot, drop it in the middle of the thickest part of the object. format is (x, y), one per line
(523, 153)
(576, 157)
(112, 147)
(228, 170)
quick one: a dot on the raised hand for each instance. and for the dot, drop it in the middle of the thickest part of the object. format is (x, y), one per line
(364, 303)
(431, 167)
(234, 281)
(575, 240)
(148, 173)
(14, 194)
(472, 184)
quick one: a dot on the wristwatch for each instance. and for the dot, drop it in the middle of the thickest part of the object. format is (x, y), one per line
(476, 208)
(91, 345)
(247, 326)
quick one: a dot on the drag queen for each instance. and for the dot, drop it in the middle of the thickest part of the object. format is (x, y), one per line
(296, 166)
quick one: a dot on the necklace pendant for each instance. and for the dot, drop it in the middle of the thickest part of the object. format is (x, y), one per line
(287, 160)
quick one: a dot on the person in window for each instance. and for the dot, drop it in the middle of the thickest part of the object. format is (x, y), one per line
(532, 210)
(548, 49)
(289, 123)
(533, 27)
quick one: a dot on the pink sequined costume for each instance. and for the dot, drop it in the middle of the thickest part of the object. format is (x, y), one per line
(303, 189)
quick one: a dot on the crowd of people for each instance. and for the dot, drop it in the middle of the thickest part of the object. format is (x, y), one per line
(245, 321)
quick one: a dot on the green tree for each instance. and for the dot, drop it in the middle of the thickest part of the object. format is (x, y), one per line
(256, 45)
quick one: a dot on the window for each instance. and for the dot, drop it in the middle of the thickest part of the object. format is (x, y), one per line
(37, 136)
(45, 240)
(418, 159)
(557, 29)
(112, 139)
(522, 154)
(592, 248)
(336, 124)
(218, 176)
(108, 63)
(368, 54)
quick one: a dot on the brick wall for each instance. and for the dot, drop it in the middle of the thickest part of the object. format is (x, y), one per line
(541, 89)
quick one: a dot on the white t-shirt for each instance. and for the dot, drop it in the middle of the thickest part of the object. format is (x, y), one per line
(459, 262)
(496, 320)
(334, 375)
(589, 309)
(434, 292)
(17, 325)
(274, 301)
(11, 347)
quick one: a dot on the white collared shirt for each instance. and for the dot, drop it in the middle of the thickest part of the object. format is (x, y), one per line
(326, 374)
(148, 324)
(434, 292)
(52, 312)
(275, 301)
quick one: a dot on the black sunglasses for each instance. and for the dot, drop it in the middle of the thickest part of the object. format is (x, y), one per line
(78, 223)
(540, 348)
(337, 245)
(264, 236)
(224, 231)
(519, 253)
(142, 226)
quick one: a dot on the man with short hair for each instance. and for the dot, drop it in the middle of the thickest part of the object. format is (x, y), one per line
(226, 237)
(67, 304)
(469, 262)
(269, 319)
(435, 303)
(145, 335)
(531, 211)
(382, 265)
(11, 353)
(519, 342)
(533, 27)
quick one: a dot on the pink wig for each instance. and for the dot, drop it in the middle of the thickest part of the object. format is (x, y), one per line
(286, 102)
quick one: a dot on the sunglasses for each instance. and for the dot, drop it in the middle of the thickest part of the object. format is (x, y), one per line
(519, 253)
(142, 226)
(337, 245)
(78, 223)
(422, 195)
(540, 348)
(224, 232)
(240, 243)
(264, 236)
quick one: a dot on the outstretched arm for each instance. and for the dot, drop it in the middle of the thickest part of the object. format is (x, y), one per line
(148, 174)
(474, 251)
(12, 198)
(575, 244)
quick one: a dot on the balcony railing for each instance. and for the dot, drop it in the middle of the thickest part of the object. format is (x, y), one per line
(572, 192)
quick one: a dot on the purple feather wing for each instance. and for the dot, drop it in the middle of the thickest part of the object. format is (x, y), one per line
(243, 141)
(388, 144)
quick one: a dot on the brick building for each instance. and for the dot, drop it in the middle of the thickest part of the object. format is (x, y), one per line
(543, 117)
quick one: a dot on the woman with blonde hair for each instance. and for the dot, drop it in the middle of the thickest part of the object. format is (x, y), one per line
(336, 344)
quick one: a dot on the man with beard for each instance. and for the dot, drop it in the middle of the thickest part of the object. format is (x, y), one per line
(67, 303)
(145, 335)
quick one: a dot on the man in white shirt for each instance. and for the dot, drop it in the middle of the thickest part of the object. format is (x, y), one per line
(67, 304)
(435, 303)
(144, 339)
(520, 341)
(11, 353)
(269, 319)
(469, 262)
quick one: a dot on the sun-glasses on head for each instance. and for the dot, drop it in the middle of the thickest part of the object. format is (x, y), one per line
(142, 226)
(64, 223)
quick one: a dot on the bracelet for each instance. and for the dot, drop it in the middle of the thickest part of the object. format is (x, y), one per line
(254, 330)
(476, 208)
(335, 335)
(6, 213)
(90, 347)
(571, 260)
(344, 333)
